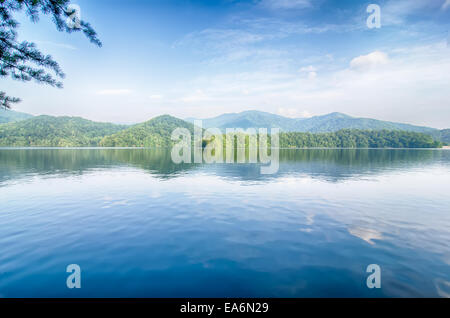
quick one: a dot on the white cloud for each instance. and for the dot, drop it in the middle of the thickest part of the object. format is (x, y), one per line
(310, 70)
(156, 97)
(406, 85)
(114, 92)
(312, 75)
(369, 61)
(293, 113)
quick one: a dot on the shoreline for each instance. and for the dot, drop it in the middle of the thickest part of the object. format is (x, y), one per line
(169, 147)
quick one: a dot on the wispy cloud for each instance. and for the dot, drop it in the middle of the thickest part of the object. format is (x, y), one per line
(60, 45)
(446, 5)
(252, 39)
(381, 84)
(286, 4)
(294, 113)
(114, 92)
(396, 12)
(311, 71)
(222, 38)
(196, 97)
(369, 61)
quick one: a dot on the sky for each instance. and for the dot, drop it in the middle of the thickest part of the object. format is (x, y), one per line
(296, 58)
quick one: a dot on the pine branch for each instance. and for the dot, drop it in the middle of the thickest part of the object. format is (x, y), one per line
(6, 101)
(23, 61)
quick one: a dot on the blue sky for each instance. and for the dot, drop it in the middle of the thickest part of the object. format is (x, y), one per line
(297, 58)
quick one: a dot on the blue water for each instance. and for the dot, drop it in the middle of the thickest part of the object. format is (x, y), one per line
(140, 226)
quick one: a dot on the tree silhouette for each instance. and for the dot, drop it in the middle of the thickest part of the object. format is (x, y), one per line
(22, 60)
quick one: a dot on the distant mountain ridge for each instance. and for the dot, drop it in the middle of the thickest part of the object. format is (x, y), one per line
(8, 116)
(325, 123)
(318, 124)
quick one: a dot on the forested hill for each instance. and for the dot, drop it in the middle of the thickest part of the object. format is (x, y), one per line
(445, 136)
(156, 132)
(48, 131)
(353, 138)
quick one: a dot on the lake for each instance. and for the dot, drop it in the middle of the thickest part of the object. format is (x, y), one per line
(140, 226)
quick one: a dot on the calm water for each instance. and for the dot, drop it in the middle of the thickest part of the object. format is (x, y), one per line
(140, 226)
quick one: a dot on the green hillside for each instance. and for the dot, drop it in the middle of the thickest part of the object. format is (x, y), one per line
(153, 133)
(48, 131)
(355, 138)
(8, 116)
(351, 138)
(445, 136)
(337, 121)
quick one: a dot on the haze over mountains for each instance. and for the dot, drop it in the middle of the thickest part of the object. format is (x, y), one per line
(26, 130)
(318, 124)
(7, 116)
(326, 123)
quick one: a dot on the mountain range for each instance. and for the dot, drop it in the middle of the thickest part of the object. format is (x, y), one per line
(26, 130)
(318, 124)
(326, 123)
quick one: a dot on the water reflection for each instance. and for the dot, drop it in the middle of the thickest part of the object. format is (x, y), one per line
(333, 165)
(141, 226)
(368, 235)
